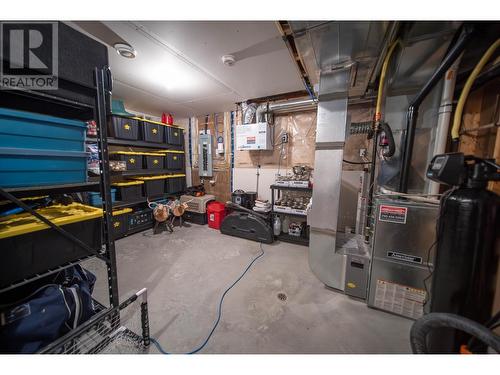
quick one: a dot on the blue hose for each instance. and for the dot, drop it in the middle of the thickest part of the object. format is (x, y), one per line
(219, 312)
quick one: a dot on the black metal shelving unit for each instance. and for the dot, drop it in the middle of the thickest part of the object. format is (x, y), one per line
(299, 240)
(107, 252)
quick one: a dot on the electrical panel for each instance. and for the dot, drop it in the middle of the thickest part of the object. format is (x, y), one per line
(253, 137)
(205, 155)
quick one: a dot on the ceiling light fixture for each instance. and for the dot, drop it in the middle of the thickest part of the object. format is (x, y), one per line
(125, 50)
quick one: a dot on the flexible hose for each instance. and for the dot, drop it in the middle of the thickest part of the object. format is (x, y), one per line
(381, 83)
(422, 327)
(457, 119)
(219, 311)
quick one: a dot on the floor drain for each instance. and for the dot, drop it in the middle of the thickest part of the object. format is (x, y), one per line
(282, 296)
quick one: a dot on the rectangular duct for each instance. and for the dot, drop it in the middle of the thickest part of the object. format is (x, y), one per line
(326, 263)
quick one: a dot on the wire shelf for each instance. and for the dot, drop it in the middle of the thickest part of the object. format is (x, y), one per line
(104, 333)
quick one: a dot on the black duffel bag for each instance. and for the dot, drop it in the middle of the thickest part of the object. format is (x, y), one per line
(47, 313)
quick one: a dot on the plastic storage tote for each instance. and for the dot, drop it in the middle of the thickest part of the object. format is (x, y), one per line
(32, 167)
(152, 131)
(120, 222)
(195, 217)
(153, 160)
(124, 128)
(129, 191)
(30, 247)
(174, 135)
(134, 160)
(216, 212)
(174, 160)
(96, 200)
(140, 218)
(176, 183)
(27, 130)
(154, 186)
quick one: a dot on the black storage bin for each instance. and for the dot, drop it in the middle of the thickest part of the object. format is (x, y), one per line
(154, 186)
(195, 217)
(152, 132)
(140, 218)
(26, 254)
(78, 55)
(129, 191)
(174, 136)
(154, 161)
(120, 223)
(174, 161)
(134, 160)
(176, 184)
(124, 128)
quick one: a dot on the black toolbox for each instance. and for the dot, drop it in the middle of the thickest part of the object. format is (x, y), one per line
(195, 217)
(134, 160)
(176, 183)
(174, 135)
(152, 131)
(154, 186)
(153, 160)
(174, 160)
(129, 191)
(120, 222)
(29, 247)
(124, 128)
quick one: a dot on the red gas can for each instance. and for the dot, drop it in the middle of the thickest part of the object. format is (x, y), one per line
(216, 211)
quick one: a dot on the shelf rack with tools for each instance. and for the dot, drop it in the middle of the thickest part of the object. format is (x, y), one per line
(54, 105)
(300, 215)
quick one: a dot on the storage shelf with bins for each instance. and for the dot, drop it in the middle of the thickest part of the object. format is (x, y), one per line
(33, 102)
(300, 240)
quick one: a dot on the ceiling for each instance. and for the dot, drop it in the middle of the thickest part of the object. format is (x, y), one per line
(178, 67)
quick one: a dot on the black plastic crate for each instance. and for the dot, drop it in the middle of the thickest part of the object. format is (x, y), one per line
(174, 136)
(154, 186)
(140, 218)
(152, 132)
(154, 161)
(26, 255)
(174, 161)
(195, 217)
(129, 191)
(124, 128)
(133, 160)
(176, 184)
(120, 222)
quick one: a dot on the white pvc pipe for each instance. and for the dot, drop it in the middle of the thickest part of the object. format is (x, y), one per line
(444, 116)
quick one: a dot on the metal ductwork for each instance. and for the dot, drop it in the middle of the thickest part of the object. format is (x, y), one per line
(340, 51)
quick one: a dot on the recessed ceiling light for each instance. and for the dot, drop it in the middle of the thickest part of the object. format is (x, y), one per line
(125, 50)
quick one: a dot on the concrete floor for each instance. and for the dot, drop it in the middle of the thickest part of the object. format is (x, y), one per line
(187, 271)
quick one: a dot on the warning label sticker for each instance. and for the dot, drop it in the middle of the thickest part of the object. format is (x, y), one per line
(404, 257)
(400, 299)
(393, 214)
(251, 140)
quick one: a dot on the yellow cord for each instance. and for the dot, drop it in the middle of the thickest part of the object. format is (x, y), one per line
(457, 119)
(378, 108)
